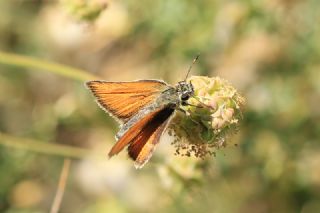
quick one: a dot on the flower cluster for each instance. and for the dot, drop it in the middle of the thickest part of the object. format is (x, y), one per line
(212, 114)
(85, 10)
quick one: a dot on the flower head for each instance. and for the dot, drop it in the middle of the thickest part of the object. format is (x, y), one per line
(212, 114)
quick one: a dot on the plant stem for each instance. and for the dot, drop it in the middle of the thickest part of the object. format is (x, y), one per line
(48, 148)
(61, 186)
(40, 65)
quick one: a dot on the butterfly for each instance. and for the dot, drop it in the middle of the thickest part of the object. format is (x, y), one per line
(143, 108)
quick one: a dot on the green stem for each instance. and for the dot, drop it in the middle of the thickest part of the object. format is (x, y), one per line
(39, 65)
(48, 148)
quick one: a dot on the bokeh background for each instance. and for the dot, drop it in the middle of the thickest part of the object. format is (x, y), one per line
(268, 49)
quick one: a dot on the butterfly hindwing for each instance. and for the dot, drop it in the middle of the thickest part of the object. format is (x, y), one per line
(142, 147)
(143, 136)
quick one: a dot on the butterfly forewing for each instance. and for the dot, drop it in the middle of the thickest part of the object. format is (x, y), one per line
(124, 99)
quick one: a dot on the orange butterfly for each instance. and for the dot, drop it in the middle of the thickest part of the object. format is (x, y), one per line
(144, 109)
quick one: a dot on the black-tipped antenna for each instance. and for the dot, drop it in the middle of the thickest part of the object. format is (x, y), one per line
(193, 62)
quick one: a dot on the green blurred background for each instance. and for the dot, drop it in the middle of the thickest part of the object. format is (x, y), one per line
(268, 49)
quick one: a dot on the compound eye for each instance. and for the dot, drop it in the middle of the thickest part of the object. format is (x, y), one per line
(185, 97)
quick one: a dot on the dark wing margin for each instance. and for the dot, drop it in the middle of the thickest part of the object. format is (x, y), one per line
(124, 99)
(143, 136)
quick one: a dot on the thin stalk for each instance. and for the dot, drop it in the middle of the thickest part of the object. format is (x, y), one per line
(40, 65)
(48, 148)
(61, 186)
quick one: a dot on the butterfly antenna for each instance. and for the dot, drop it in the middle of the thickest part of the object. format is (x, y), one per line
(193, 62)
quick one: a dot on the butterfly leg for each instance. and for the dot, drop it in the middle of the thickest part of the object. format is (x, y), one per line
(183, 111)
(185, 103)
(202, 105)
(187, 113)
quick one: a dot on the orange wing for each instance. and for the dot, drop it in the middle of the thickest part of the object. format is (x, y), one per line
(124, 99)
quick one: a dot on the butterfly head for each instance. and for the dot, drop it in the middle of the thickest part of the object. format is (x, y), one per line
(185, 90)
